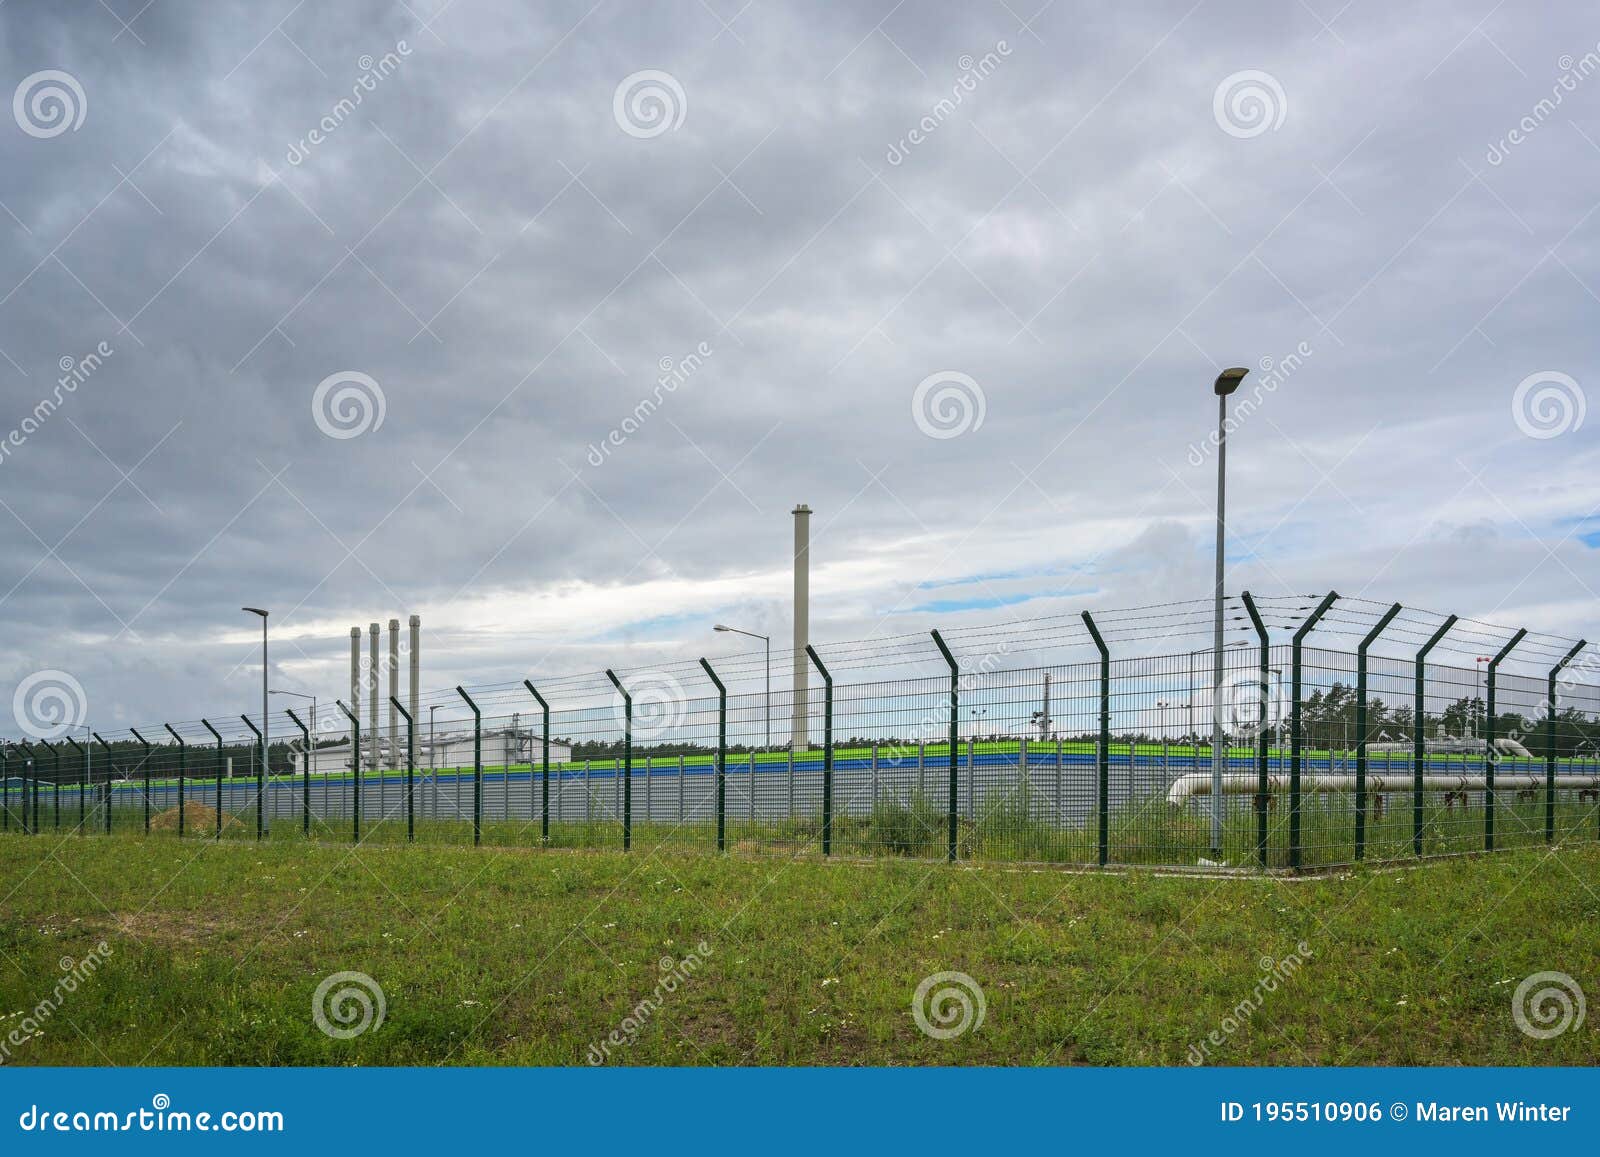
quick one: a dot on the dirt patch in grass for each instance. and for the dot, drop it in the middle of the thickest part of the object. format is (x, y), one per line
(197, 817)
(167, 928)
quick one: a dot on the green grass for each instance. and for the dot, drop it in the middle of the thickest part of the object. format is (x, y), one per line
(529, 957)
(1014, 827)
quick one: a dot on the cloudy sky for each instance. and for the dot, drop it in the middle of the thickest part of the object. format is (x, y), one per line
(362, 310)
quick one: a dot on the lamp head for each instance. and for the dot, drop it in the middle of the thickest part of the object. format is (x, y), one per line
(720, 627)
(1228, 381)
(255, 611)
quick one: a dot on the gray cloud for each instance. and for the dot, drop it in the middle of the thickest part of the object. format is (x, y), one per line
(1078, 234)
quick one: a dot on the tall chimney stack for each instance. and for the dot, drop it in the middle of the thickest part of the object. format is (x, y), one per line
(415, 666)
(799, 734)
(372, 698)
(355, 685)
(394, 692)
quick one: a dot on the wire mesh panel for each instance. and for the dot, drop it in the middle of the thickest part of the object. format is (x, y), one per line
(1022, 742)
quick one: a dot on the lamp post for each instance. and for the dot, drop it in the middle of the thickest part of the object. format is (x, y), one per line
(1477, 680)
(1194, 689)
(266, 770)
(433, 774)
(303, 695)
(311, 744)
(1277, 682)
(1227, 382)
(767, 640)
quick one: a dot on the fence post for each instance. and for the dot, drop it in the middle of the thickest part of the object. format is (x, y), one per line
(261, 780)
(83, 784)
(1295, 729)
(31, 782)
(27, 765)
(1550, 746)
(83, 779)
(1419, 740)
(477, 767)
(544, 800)
(144, 765)
(1056, 796)
(183, 760)
(1491, 756)
(55, 785)
(22, 814)
(1361, 725)
(873, 772)
(5, 790)
(218, 738)
(411, 771)
(827, 750)
(1024, 784)
(27, 789)
(1103, 758)
(355, 771)
(109, 772)
(626, 768)
(305, 773)
(1263, 785)
(722, 756)
(952, 823)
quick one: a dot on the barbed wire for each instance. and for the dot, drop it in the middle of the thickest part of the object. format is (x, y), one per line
(1044, 641)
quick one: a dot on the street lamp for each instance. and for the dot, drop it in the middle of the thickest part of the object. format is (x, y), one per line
(766, 639)
(303, 695)
(300, 695)
(1477, 676)
(1194, 688)
(1227, 382)
(265, 770)
(433, 772)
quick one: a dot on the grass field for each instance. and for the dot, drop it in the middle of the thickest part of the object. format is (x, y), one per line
(532, 957)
